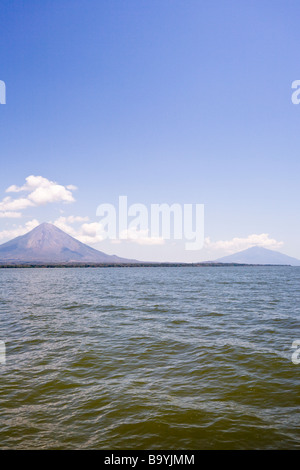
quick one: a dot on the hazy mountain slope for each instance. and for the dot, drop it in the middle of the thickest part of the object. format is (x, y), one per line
(259, 255)
(47, 243)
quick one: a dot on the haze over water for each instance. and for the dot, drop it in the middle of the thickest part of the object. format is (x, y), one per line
(150, 358)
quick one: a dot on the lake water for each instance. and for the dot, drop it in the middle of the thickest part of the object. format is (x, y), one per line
(150, 358)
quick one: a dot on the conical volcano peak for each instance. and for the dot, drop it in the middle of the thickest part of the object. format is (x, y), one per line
(46, 227)
(47, 243)
(44, 224)
(49, 237)
(259, 255)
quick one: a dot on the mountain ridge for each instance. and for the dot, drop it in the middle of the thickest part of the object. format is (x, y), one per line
(259, 255)
(46, 243)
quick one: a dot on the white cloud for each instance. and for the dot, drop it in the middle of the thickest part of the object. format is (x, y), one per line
(64, 224)
(20, 230)
(14, 189)
(239, 244)
(93, 232)
(40, 191)
(9, 204)
(89, 233)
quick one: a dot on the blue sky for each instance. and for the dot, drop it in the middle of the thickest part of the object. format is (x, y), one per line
(163, 101)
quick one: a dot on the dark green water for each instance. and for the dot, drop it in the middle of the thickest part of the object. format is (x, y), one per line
(150, 358)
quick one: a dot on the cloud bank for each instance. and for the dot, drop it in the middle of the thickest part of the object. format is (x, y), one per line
(40, 191)
(18, 231)
(239, 244)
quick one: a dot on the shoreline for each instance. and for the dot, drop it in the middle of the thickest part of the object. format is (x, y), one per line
(135, 265)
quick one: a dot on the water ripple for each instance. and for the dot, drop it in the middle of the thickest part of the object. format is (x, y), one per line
(145, 358)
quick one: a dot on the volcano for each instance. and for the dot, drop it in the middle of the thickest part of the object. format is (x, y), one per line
(260, 255)
(48, 244)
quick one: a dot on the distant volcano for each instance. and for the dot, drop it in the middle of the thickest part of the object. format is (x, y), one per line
(259, 255)
(48, 244)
